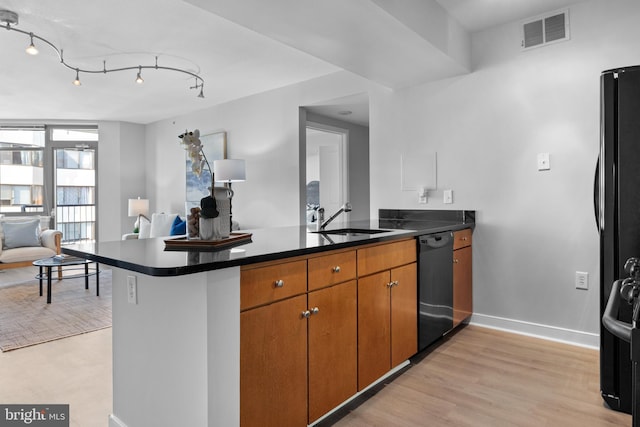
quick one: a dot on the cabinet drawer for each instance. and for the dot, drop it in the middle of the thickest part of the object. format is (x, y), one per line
(263, 285)
(331, 269)
(461, 239)
(386, 256)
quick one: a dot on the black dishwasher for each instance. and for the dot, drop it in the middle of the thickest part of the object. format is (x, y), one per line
(435, 287)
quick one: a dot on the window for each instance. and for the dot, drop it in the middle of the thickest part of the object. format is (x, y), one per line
(22, 170)
(73, 159)
(50, 170)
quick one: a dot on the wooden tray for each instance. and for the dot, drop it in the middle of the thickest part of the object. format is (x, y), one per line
(182, 243)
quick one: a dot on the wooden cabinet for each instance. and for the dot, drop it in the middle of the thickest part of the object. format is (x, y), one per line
(404, 320)
(387, 308)
(332, 347)
(374, 323)
(298, 339)
(273, 364)
(462, 277)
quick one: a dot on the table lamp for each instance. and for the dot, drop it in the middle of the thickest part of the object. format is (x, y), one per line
(138, 207)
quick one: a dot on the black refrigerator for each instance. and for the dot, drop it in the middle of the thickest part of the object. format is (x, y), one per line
(617, 209)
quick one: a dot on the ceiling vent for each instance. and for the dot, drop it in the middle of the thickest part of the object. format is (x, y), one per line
(543, 30)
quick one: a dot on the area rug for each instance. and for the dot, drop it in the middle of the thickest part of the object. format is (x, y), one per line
(26, 319)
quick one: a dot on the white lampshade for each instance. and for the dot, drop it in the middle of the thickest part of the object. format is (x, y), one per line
(229, 170)
(138, 207)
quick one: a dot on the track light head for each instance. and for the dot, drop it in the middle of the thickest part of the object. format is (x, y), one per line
(139, 78)
(31, 49)
(77, 81)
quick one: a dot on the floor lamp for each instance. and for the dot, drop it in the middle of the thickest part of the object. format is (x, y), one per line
(228, 171)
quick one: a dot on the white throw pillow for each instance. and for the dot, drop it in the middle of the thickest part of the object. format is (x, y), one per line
(144, 228)
(161, 224)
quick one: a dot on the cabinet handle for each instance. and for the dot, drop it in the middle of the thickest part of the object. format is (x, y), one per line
(315, 310)
(279, 283)
(336, 269)
(306, 314)
(465, 238)
(455, 260)
(392, 284)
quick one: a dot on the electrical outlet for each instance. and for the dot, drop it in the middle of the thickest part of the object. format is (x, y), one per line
(543, 162)
(132, 290)
(582, 280)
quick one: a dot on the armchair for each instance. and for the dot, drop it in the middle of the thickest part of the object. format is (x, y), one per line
(15, 252)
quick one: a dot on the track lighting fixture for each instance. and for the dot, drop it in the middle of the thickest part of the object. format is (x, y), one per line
(9, 19)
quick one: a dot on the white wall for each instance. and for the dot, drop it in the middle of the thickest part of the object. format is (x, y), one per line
(535, 229)
(263, 130)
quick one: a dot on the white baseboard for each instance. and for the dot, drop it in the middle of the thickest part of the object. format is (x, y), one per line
(553, 333)
(115, 421)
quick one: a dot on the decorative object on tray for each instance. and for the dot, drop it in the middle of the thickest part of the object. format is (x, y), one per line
(229, 171)
(184, 243)
(210, 224)
(220, 226)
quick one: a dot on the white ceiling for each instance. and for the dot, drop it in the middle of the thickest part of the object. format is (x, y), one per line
(239, 48)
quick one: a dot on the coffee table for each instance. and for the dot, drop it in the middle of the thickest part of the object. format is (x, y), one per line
(49, 263)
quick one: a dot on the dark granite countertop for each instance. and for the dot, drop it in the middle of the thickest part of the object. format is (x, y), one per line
(150, 256)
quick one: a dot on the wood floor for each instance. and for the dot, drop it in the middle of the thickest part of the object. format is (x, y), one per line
(482, 377)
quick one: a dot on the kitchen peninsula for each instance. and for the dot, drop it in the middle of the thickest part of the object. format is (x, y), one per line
(176, 318)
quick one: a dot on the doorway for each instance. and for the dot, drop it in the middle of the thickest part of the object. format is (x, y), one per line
(326, 166)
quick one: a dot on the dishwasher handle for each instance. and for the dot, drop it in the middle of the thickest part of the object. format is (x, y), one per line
(438, 240)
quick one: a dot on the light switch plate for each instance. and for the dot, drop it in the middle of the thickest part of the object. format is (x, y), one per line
(422, 195)
(448, 196)
(543, 162)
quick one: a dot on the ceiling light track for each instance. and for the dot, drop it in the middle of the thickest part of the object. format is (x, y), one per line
(9, 19)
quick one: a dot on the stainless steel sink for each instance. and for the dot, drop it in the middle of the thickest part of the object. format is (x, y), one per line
(351, 231)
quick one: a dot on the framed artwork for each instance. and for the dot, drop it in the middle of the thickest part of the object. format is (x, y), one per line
(214, 146)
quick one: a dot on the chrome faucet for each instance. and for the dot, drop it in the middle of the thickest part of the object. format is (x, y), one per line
(345, 208)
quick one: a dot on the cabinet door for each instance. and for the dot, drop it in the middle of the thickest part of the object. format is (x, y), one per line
(273, 364)
(332, 348)
(374, 335)
(462, 285)
(404, 313)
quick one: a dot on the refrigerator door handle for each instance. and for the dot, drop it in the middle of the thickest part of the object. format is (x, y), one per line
(596, 195)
